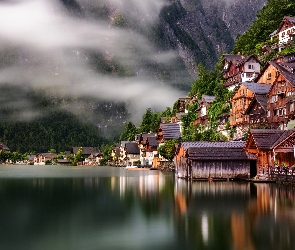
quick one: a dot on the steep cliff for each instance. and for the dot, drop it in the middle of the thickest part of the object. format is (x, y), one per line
(202, 30)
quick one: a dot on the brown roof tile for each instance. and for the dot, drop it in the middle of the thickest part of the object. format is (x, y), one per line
(265, 138)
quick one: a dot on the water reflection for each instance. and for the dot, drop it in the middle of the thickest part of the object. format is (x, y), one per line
(231, 215)
(111, 208)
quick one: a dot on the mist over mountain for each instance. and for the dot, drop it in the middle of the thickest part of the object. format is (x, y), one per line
(107, 61)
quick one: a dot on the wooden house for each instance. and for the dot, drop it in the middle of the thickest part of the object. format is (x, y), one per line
(204, 105)
(270, 146)
(281, 97)
(257, 112)
(217, 160)
(285, 32)
(238, 68)
(241, 99)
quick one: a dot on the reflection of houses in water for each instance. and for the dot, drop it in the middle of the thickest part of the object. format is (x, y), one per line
(244, 215)
(140, 184)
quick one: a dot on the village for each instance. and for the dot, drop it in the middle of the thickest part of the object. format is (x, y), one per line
(261, 117)
(261, 110)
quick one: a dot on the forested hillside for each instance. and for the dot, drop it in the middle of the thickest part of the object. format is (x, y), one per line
(267, 22)
(100, 63)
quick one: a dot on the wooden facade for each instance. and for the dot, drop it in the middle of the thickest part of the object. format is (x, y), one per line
(286, 30)
(241, 99)
(257, 112)
(216, 160)
(237, 68)
(281, 97)
(271, 146)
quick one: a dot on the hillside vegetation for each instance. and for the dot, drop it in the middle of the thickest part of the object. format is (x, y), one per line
(267, 22)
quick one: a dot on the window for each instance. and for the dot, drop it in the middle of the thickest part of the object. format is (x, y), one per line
(275, 112)
(274, 98)
(268, 113)
(250, 66)
(269, 76)
(292, 107)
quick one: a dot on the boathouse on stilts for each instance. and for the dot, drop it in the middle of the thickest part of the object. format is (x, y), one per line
(214, 160)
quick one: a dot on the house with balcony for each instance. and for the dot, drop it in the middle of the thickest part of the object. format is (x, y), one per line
(241, 99)
(257, 112)
(281, 97)
(238, 68)
(285, 32)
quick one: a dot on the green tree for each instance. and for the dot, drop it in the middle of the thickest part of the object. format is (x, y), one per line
(167, 150)
(150, 122)
(128, 132)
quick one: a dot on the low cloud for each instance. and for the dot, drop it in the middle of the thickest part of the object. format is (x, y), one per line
(43, 47)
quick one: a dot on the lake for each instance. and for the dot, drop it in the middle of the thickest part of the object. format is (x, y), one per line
(65, 207)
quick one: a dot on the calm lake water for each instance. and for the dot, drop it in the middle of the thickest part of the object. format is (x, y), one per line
(58, 207)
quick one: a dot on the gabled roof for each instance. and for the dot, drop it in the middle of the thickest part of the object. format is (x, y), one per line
(48, 155)
(286, 69)
(208, 98)
(246, 59)
(206, 144)
(265, 138)
(152, 141)
(260, 99)
(257, 88)
(171, 130)
(132, 148)
(232, 58)
(274, 32)
(4, 147)
(289, 18)
(283, 137)
(218, 151)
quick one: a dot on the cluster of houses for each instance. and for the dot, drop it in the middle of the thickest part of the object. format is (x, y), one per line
(261, 105)
(143, 151)
(90, 157)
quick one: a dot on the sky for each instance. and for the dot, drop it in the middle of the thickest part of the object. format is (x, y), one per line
(42, 47)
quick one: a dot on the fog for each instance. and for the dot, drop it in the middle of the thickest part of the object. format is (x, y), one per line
(44, 47)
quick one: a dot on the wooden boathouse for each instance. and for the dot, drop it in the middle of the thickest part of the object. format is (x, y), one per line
(271, 147)
(216, 160)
